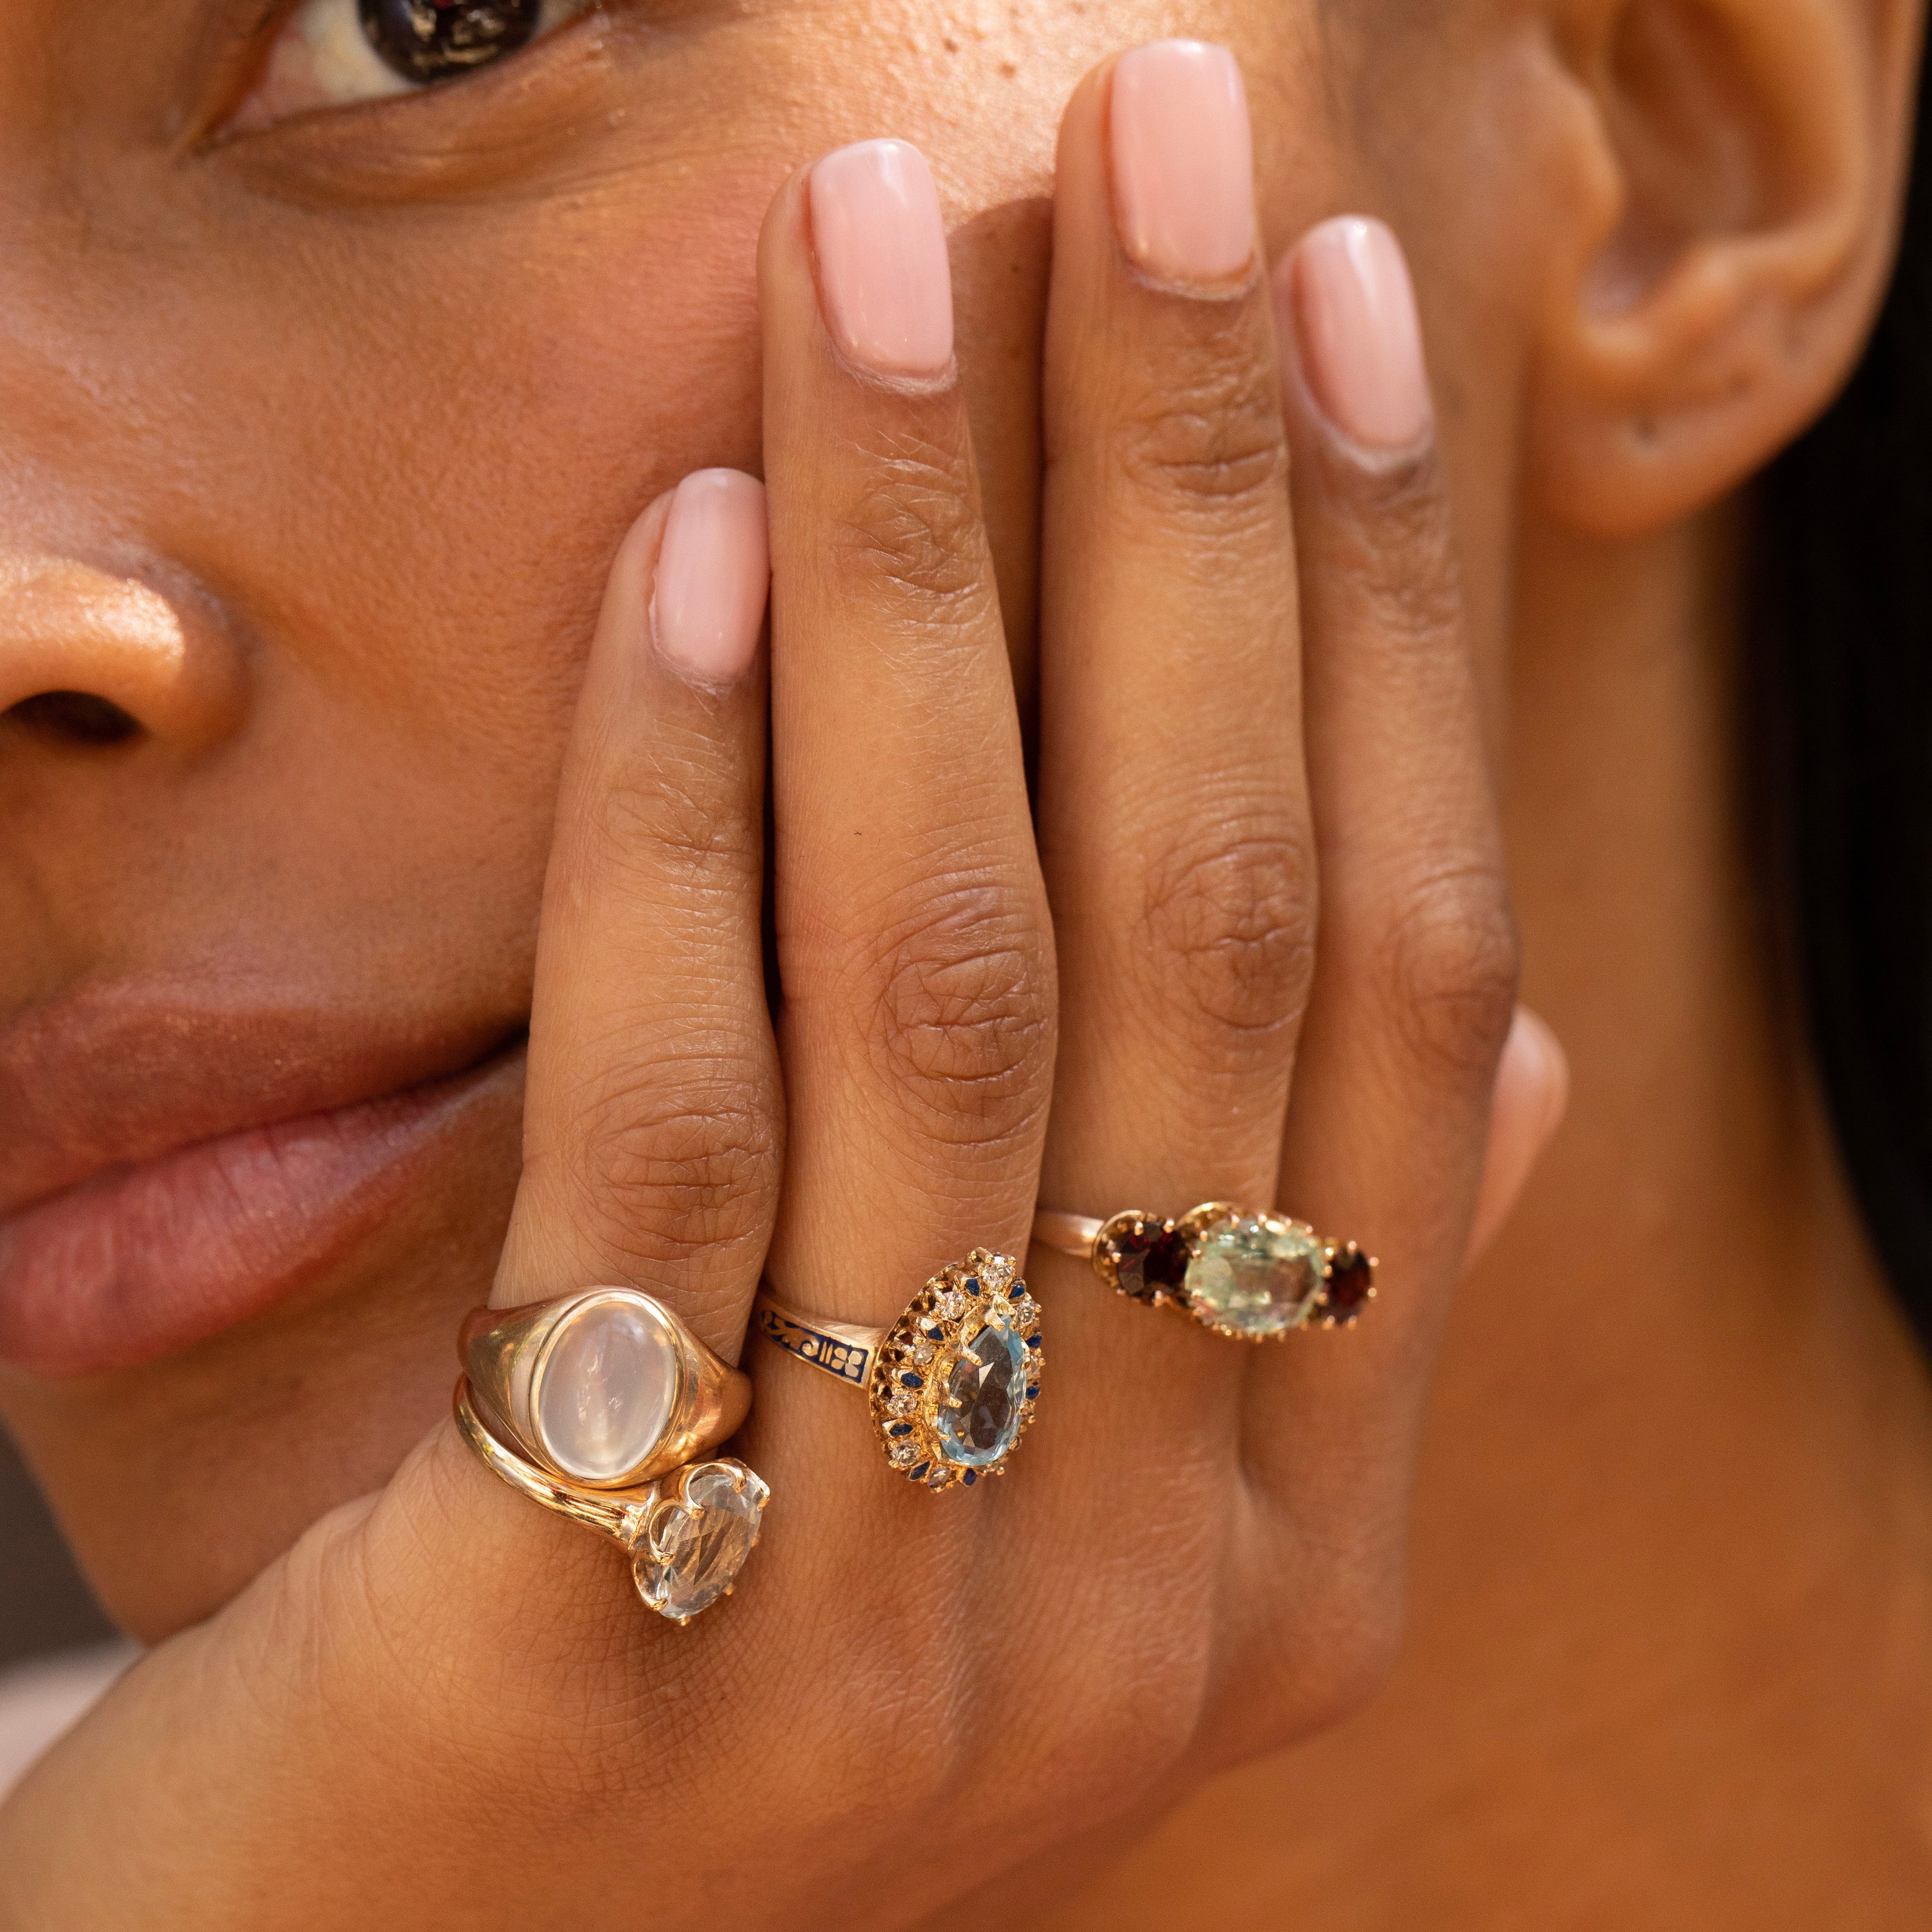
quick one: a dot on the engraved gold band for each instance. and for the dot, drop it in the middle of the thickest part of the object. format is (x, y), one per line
(687, 1534)
(1253, 1275)
(951, 1385)
(603, 1386)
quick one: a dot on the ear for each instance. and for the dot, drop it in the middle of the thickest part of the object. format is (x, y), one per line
(1742, 164)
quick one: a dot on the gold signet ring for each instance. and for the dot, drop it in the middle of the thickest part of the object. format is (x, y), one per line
(605, 1387)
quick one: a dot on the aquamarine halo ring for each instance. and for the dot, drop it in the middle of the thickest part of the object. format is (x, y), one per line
(1254, 1276)
(951, 1385)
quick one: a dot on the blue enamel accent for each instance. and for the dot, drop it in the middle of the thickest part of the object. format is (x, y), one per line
(911, 1381)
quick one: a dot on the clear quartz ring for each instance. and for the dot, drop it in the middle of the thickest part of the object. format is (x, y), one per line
(687, 1535)
(1255, 1276)
(951, 1385)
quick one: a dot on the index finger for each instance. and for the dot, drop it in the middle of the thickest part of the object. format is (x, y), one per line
(652, 1128)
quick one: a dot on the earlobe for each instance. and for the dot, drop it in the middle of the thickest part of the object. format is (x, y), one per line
(1740, 198)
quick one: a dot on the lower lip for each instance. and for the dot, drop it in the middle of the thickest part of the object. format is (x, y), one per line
(148, 1261)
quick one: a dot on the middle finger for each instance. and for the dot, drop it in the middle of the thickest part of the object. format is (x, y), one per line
(915, 953)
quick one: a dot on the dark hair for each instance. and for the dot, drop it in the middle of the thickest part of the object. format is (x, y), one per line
(1846, 653)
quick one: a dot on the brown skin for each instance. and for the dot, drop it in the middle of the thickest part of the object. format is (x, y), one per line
(454, 727)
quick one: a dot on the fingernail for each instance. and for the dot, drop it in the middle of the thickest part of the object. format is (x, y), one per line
(884, 281)
(1183, 162)
(1352, 309)
(1532, 1089)
(714, 571)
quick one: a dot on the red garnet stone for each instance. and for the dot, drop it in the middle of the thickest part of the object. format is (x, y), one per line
(1151, 1261)
(1351, 1276)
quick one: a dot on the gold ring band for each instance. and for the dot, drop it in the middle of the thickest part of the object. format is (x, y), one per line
(603, 1387)
(951, 1385)
(1254, 1276)
(687, 1534)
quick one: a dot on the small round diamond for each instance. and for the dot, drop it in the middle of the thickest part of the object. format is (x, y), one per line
(952, 1305)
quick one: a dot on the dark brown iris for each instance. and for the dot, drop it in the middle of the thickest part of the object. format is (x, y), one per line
(431, 40)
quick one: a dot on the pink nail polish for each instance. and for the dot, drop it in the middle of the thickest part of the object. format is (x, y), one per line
(714, 570)
(1352, 309)
(884, 279)
(1183, 162)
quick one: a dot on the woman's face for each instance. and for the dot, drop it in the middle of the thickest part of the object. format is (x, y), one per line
(319, 433)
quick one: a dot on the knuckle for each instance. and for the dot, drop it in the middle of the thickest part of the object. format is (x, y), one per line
(1332, 1628)
(1229, 926)
(674, 1159)
(1214, 442)
(1450, 964)
(914, 525)
(1397, 549)
(963, 1006)
(650, 819)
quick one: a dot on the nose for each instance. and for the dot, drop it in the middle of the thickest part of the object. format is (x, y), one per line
(99, 656)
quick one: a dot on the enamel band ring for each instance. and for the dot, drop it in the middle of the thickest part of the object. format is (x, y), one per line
(687, 1535)
(605, 1386)
(951, 1385)
(1254, 1277)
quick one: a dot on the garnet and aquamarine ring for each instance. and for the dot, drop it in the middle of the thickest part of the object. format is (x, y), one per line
(951, 1385)
(1253, 1275)
(599, 1404)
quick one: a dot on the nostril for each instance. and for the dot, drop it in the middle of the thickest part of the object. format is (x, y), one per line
(142, 654)
(78, 716)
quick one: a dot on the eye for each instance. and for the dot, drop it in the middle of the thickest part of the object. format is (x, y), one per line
(332, 53)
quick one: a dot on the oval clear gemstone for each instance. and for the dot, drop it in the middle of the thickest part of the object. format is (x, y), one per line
(700, 1545)
(1257, 1275)
(609, 1380)
(979, 1406)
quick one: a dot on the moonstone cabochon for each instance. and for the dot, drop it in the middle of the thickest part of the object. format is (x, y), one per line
(607, 1385)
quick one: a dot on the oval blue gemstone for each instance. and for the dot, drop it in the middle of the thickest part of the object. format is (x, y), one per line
(979, 1411)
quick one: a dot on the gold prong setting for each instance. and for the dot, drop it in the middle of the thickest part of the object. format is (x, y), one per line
(692, 1540)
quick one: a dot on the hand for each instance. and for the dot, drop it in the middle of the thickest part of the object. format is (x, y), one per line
(445, 1706)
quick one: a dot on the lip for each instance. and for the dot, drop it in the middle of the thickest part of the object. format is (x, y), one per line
(170, 1165)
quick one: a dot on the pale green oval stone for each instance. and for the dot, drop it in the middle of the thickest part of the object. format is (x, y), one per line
(1257, 1276)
